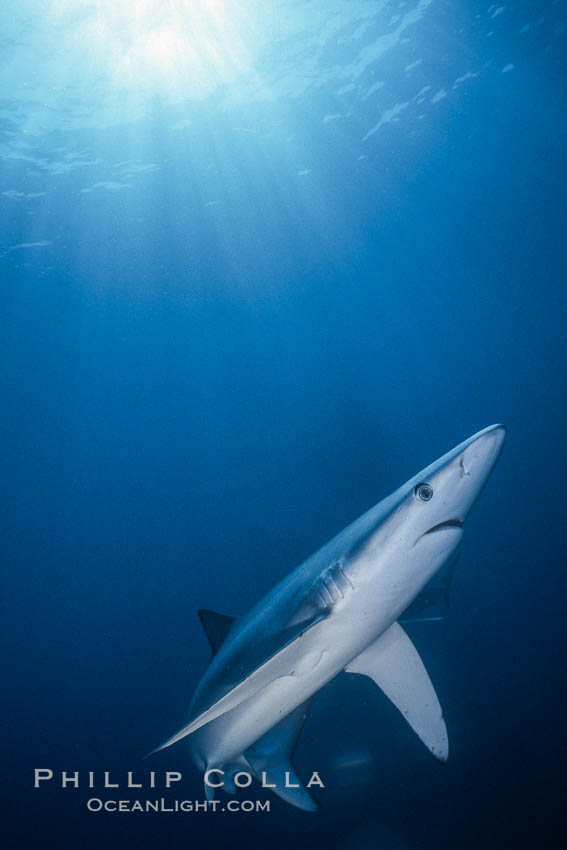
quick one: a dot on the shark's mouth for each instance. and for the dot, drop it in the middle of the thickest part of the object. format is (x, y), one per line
(449, 523)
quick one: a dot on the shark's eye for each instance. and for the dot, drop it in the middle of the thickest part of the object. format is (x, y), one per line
(423, 492)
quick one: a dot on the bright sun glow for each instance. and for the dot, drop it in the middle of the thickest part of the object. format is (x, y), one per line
(188, 46)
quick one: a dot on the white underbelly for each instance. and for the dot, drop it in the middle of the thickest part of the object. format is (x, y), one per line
(323, 652)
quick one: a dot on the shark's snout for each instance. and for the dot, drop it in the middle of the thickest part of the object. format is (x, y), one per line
(471, 469)
(453, 484)
(482, 452)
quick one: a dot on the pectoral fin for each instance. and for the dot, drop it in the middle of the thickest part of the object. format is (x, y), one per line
(393, 662)
(281, 663)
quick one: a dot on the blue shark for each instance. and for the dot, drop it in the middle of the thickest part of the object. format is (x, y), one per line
(338, 611)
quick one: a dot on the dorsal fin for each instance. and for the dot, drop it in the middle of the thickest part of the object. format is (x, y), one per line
(216, 627)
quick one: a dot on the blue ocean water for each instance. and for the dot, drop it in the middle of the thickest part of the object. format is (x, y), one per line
(260, 263)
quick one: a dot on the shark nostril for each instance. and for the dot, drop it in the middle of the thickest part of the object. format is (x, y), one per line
(464, 470)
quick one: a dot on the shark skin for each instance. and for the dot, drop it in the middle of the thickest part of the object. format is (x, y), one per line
(336, 612)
